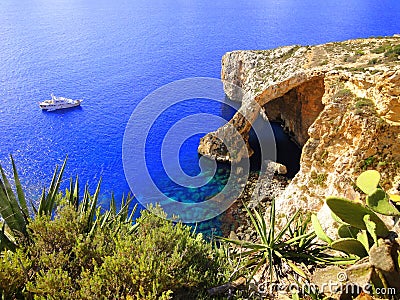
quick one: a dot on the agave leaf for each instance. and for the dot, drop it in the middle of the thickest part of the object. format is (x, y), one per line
(287, 226)
(70, 194)
(5, 242)
(319, 231)
(113, 207)
(20, 191)
(133, 228)
(93, 228)
(9, 206)
(263, 227)
(44, 201)
(130, 218)
(105, 218)
(306, 222)
(350, 246)
(92, 209)
(271, 234)
(306, 242)
(368, 181)
(41, 203)
(76, 193)
(123, 212)
(53, 182)
(254, 222)
(35, 211)
(258, 266)
(296, 269)
(353, 213)
(55, 190)
(85, 201)
(6, 211)
(378, 201)
(297, 238)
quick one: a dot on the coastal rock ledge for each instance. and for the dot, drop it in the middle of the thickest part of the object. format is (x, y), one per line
(340, 101)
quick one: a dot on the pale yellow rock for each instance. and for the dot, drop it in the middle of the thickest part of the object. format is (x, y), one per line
(341, 101)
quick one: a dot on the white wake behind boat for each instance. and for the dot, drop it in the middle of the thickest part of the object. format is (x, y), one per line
(58, 103)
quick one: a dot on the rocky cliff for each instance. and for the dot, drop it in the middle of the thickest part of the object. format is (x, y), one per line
(341, 103)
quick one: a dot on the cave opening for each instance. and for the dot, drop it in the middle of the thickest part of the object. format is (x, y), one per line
(290, 116)
(288, 152)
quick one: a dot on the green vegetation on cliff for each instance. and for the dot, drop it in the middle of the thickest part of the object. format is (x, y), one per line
(69, 248)
(72, 249)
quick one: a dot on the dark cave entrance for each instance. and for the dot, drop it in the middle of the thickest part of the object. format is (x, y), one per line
(290, 116)
(288, 152)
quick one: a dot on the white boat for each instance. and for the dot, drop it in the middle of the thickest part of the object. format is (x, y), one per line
(58, 103)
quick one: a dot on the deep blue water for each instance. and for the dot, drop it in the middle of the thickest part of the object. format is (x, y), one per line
(114, 53)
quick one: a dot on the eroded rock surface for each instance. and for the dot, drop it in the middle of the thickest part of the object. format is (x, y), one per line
(340, 101)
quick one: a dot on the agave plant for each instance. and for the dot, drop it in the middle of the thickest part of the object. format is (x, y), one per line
(13, 210)
(293, 244)
(15, 214)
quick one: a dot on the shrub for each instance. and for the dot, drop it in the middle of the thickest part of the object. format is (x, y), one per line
(359, 52)
(162, 258)
(343, 94)
(13, 273)
(373, 61)
(63, 262)
(380, 49)
(70, 249)
(393, 52)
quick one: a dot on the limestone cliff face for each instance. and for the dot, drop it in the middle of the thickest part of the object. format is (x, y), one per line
(340, 101)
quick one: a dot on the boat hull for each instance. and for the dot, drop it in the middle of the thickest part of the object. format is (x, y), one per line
(58, 103)
(57, 107)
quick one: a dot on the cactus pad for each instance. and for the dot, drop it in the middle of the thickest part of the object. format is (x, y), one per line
(379, 201)
(368, 181)
(348, 231)
(353, 213)
(350, 246)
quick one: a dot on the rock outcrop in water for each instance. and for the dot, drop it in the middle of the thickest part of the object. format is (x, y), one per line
(341, 103)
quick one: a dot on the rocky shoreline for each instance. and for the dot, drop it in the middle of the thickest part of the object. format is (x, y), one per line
(235, 222)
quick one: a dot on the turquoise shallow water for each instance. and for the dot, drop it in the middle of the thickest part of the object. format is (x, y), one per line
(114, 53)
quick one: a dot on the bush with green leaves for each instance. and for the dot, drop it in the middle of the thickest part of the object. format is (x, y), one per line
(71, 249)
(162, 258)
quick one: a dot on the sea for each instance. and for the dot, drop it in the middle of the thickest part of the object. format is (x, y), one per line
(113, 54)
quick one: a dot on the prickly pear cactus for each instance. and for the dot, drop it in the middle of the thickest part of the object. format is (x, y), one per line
(368, 181)
(348, 231)
(350, 246)
(352, 213)
(378, 201)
